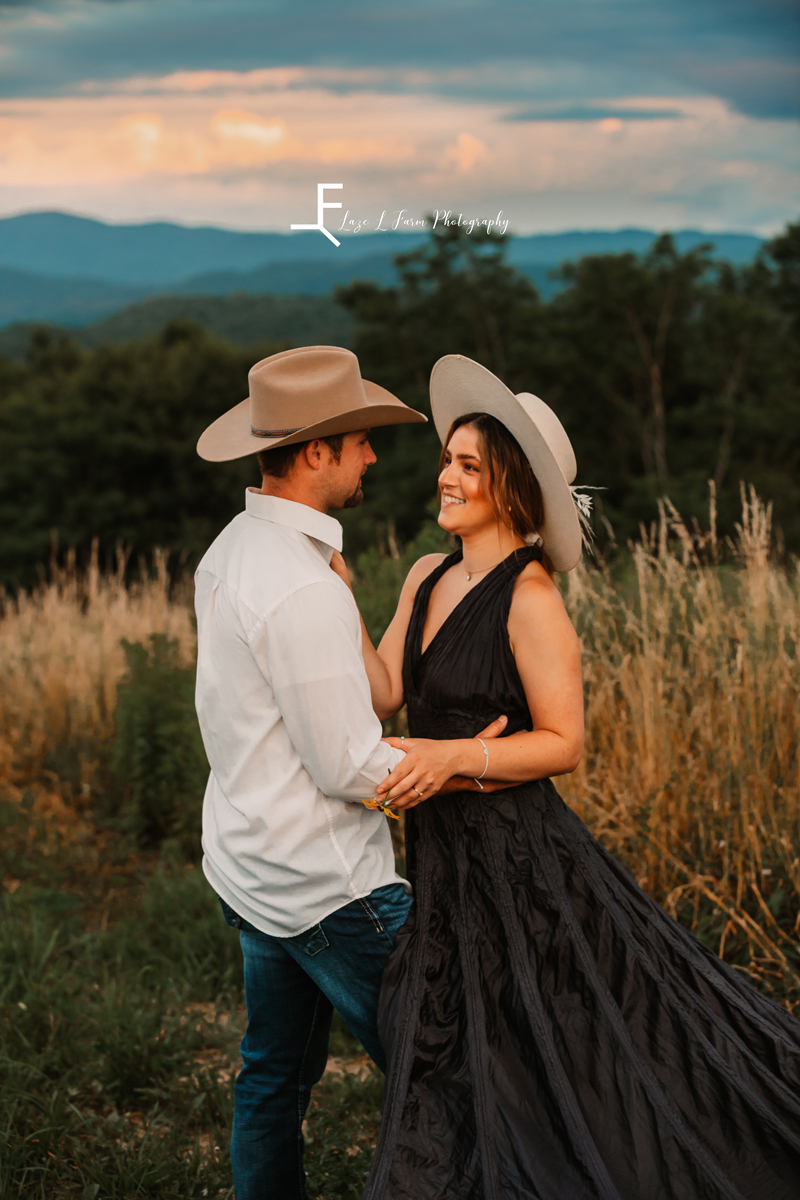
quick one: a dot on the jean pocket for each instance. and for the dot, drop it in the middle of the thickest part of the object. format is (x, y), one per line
(312, 941)
(388, 908)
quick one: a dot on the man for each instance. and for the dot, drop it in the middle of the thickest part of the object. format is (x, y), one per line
(302, 868)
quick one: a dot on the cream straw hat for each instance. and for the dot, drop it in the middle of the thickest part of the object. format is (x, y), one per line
(460, 386)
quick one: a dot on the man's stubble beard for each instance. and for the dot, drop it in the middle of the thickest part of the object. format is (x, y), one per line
(352, 500)
(355, 498)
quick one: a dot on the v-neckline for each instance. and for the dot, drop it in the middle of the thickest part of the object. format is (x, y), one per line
(456, 557)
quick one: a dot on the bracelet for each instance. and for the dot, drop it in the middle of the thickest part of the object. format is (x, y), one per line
(478, 778)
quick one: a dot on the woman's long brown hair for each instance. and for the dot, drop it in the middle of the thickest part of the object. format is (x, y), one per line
(514, 490)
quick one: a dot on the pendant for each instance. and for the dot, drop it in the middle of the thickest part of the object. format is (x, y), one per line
(468, 577)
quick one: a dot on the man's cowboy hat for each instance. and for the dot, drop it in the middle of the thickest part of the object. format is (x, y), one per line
(460, 386)
(298, 395)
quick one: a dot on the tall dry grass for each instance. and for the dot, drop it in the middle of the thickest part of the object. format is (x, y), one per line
(692, 769)
(61, 659)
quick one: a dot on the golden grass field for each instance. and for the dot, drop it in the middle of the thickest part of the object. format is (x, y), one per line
(691, 767)
(61, 660)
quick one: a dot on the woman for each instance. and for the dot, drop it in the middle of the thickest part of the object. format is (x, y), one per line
(551, 1032)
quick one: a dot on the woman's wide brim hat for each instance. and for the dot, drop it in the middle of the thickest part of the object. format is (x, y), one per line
(460, 386)
(298, 395)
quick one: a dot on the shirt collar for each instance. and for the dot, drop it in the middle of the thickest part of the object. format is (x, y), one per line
(310, 521)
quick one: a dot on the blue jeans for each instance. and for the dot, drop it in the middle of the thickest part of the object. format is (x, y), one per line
(292, 986)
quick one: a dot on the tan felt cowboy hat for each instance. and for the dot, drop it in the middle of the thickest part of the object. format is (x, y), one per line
(460, 386)
(298, 395)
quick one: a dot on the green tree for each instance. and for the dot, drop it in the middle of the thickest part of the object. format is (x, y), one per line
(101, 444)
(670, 370)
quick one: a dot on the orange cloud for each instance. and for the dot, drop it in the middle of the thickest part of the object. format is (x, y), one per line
(245, 139)
(467, 151)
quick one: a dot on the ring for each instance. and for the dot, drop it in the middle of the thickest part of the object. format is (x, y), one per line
(416, 789)
(402, 739)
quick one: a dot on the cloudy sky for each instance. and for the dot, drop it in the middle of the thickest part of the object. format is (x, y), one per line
(565, 114)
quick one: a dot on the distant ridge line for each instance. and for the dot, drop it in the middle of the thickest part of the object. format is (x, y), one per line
(159, 253)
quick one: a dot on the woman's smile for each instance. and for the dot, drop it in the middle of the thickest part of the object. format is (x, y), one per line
(464, 481)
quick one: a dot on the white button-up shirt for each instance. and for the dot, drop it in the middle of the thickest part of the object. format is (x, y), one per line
(291, 737)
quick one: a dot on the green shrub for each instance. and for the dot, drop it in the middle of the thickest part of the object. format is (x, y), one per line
(158, 760)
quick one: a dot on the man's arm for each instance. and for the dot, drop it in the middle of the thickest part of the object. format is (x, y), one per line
(309, 649)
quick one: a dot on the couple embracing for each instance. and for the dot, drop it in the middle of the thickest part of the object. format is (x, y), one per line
(547, 1030)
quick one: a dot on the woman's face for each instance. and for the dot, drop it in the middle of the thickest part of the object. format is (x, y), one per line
(464, 486)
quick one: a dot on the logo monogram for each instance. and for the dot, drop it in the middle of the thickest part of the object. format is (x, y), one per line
(322, 204)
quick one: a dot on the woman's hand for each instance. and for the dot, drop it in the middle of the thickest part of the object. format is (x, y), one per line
(339, 567)
(427, 767)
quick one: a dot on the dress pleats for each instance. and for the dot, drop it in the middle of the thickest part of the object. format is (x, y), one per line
(552, 1033)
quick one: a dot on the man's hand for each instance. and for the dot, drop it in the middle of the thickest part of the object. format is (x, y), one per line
(428, 769)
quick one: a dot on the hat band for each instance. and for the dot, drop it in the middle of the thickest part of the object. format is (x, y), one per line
(274, 433)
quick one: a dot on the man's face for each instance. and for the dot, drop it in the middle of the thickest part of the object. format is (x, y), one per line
(344, 477)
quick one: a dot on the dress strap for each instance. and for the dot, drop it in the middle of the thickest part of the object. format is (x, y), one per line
(505, 576)
(420, 609)
(519, 559)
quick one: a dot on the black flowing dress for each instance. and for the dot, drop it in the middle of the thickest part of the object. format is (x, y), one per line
(552, 1033)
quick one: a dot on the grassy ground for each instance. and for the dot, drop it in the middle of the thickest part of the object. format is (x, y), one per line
(121, 1017)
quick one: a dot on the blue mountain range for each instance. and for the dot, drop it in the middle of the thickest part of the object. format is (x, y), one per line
(73, 270)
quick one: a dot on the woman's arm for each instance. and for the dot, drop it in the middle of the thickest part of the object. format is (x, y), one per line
(384, 666)
(547, 655)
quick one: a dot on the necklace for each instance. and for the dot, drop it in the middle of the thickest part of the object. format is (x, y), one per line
(469, 574)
